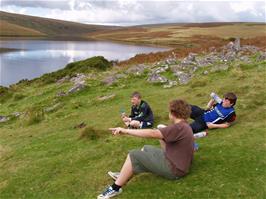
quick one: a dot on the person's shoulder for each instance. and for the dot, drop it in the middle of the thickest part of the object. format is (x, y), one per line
(144, 103)
(183, 124)
(180, 125)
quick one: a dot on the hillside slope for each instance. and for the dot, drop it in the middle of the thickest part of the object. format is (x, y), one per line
(13, 23)
(46, 152)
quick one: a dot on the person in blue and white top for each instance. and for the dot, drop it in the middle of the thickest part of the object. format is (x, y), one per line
(220, 113)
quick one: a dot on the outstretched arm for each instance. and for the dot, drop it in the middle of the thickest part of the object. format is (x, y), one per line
(215, 126)
(144, 133)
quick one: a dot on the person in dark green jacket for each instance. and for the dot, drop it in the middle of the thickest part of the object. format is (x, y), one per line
(141, 114)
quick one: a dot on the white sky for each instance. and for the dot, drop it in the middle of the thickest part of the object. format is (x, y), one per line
(135, 12)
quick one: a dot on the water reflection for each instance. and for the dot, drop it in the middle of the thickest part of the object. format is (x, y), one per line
(41, 56)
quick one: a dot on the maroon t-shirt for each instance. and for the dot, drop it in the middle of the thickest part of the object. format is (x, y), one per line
(179, 146)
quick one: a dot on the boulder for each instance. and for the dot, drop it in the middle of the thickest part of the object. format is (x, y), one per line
(79, 79)
(156, 78)
(249, 48)
(160, 69)
(3, 119)
(183, 77)
(107, 97)
(109, 80)
(77, 87)
(136, 69)
(189, 60)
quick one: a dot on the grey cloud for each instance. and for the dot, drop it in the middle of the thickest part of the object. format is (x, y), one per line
(146, 12)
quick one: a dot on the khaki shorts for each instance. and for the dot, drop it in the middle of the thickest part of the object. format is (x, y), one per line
(151, 159)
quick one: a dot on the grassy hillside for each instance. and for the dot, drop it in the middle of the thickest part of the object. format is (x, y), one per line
(42, 155)
(24, 25)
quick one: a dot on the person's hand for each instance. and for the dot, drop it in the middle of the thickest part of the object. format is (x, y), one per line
(116, 131)
(126, 119)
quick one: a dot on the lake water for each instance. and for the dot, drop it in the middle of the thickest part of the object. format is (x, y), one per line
(37, 57)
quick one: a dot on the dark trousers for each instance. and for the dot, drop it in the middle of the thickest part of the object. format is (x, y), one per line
(197, 115)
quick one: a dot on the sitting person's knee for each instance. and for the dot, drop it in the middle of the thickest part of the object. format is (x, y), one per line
(135, 124)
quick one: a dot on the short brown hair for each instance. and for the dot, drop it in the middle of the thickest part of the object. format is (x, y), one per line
(180, 109)
(136, 94)
(231, 97)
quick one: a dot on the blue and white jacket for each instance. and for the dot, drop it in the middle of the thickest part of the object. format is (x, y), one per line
(219, 114)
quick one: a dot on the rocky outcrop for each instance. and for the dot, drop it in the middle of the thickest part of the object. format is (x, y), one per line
(136, 69)
(156, 78)
(111, 79)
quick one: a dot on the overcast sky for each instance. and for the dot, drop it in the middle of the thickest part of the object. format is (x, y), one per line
(135, 12)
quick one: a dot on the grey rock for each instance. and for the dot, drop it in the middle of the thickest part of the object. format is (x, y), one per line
(61, 94)
(156, 78)
(170, 84)
(3, 119)
(205, 72)
(230, 56)
(52, 108)
(249, 48)
(236, 45)
(136, 69)
(262, 56)
(79, 79)
(161, 69)
(183, 77)
(103, 98)
(233, 46)
(175, 68)
(109, 80)
(170, 60)
(244, 59)
(189, 60)
(17, 114)
(76, 88)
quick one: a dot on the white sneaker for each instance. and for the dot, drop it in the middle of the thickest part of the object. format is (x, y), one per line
(161, 126)
(200, 134)
(113, 175)
(109, 193)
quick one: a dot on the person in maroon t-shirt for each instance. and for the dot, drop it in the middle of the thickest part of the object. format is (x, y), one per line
(171, 161)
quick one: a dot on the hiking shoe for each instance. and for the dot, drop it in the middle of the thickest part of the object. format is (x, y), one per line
(109, 193)
(113, 175)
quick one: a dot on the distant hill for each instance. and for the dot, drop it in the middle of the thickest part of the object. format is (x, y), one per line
(183, 34)
(24, 25)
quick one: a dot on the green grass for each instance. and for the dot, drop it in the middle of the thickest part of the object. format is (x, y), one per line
(52, 159)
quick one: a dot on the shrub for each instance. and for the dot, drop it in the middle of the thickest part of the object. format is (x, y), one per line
(83, 66)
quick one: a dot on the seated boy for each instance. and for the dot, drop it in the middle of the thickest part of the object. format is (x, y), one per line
(171, 161)
(218, 115)
(141, 114)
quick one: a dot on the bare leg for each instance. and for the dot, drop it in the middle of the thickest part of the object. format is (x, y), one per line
(126, 173)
